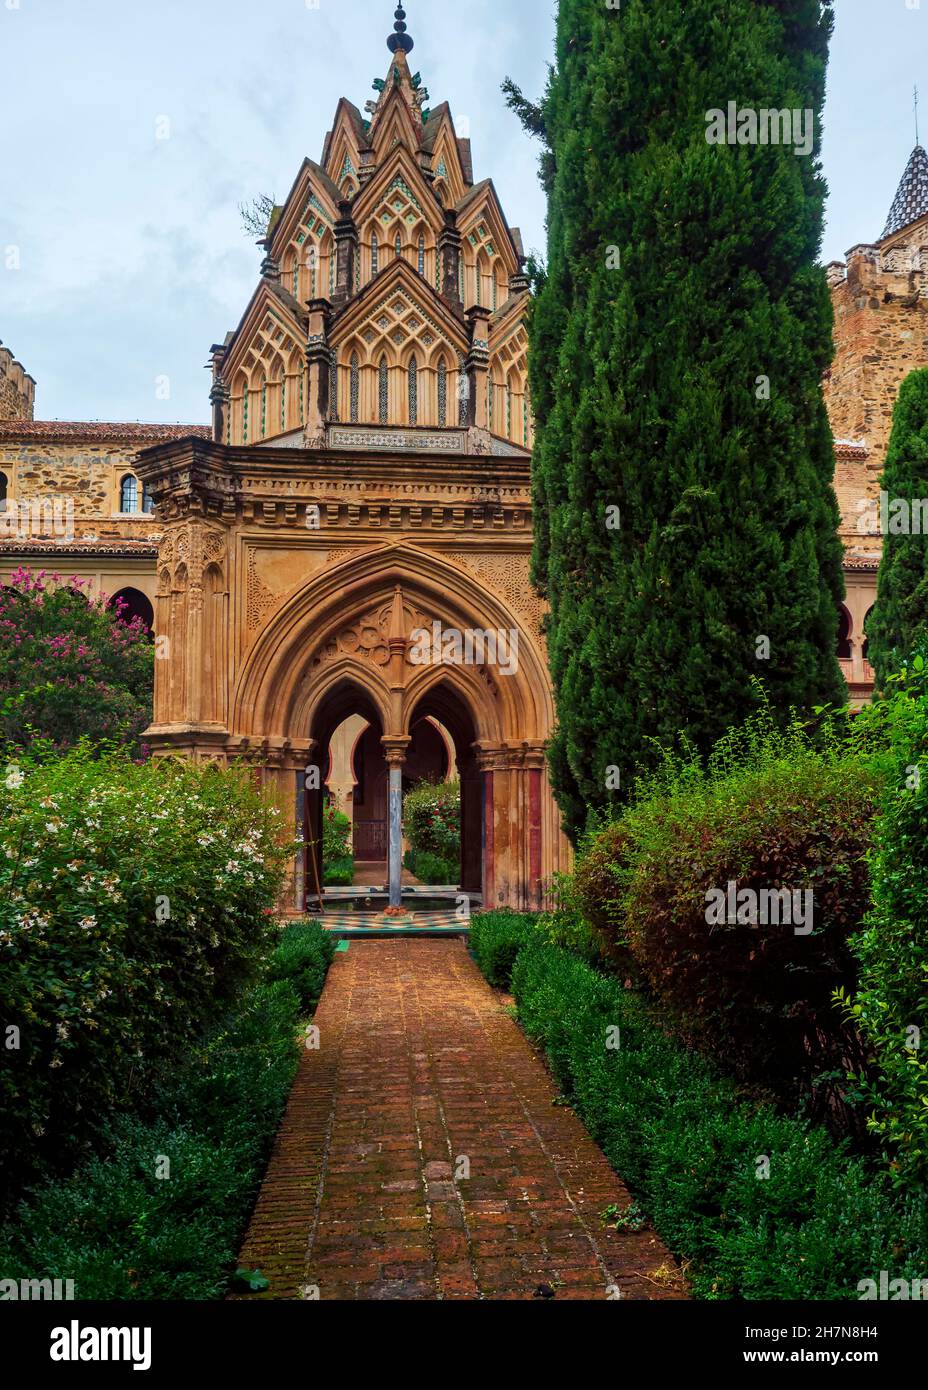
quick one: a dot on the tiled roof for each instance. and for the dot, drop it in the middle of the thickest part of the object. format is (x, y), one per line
(851, 449)
(859, 562)
(98, 431)
(911, 200)
(144, 550)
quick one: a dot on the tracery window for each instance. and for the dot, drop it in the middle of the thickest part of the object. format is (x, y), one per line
(442, 394)
(355, 387)
(384, 392)
(413, 392)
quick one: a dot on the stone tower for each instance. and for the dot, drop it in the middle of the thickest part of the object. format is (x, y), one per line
(880, 297)
(17, 388)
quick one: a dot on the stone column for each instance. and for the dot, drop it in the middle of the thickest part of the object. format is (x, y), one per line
(219, 394)
(395, 753)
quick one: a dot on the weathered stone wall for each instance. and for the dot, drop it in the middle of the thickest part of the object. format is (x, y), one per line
(17, 389)
(87, 475)
(881, 334)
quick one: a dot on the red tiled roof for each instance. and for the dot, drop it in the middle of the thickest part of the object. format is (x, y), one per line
(98, 431)
(111, 545)
(851, 449)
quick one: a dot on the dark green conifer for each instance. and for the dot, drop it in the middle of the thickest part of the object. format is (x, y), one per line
(898, 623)
(678, 343)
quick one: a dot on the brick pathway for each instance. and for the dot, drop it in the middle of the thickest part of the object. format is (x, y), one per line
(419, 1066)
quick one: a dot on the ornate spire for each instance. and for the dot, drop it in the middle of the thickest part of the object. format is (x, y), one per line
(400, 39)
(911, 200)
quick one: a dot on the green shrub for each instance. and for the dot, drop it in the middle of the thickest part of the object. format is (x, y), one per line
(567, 925)
(496, 938)
(691, 1149)
(133, 902)
(769, 813)
(431, 868)
(432, 821)
(601, 881)
(303, 957)
(890, 1007)
(122, 1227)
(337, 855)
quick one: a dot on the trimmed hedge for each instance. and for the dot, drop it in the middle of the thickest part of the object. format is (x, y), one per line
(496, 938)
(132, 909)
(302, 958)
(125, 1226)
(890, 1007)
(693, 1150)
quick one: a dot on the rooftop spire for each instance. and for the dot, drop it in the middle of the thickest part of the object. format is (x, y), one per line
(911, 200)
(400, 39)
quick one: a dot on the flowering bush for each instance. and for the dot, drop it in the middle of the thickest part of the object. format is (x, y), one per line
(69, 665)
(432, 819)
(132, 906)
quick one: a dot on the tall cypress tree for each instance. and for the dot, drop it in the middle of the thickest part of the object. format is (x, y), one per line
(898, 623)
(683, 473)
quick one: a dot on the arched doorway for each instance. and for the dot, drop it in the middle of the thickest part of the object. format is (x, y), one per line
(343, 703)
(446, 706)
(131, 604)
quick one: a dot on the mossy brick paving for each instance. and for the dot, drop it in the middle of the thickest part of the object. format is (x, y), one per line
(420, 1068)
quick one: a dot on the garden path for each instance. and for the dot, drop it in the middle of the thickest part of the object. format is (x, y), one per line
(423, 1154)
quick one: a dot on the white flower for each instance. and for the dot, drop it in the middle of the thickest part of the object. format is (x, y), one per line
(88, 922)
(62, 1031)
(15, 777)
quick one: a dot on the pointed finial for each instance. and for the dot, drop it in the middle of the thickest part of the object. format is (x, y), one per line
(916, 114)
(397, 618)
(400, 39)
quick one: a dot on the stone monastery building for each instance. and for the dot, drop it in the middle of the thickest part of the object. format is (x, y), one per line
(366, 476)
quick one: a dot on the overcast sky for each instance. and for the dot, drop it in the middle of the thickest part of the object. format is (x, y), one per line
(132, 256)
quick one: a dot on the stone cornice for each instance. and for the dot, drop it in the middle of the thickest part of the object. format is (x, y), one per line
(378, 491)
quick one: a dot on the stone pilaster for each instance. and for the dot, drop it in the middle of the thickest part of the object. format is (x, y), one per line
(346, 252)
(478, 366)
(319, 368)
(449, 254)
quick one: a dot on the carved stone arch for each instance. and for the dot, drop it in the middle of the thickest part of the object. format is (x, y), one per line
(311, 698)
(472, 689)
(282, 661)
